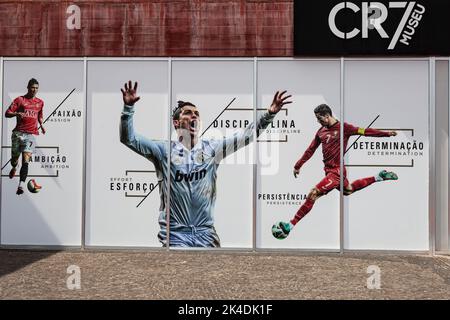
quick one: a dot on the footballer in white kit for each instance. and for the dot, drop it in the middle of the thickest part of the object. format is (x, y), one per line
(193, 170)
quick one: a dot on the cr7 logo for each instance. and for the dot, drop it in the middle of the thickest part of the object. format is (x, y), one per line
(374, 14)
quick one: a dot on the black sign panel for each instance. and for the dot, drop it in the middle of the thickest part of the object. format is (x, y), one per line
(340, 28)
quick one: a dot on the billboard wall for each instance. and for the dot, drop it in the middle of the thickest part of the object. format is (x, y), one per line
(224, 187)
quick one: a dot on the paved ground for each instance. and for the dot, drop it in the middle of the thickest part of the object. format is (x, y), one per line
(200, 275)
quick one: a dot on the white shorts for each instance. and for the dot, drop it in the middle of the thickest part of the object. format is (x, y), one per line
(22, 142)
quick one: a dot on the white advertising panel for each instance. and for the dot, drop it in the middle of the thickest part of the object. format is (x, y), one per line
(123, 190)
(390, 96)
(279, 194)
(223, 94)
(52, 216)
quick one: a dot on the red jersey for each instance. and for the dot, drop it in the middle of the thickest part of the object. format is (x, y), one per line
(330, 140)
(32, 110)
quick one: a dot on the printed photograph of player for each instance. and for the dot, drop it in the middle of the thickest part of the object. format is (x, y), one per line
(28, 111)
(329, 137)
(193, 171)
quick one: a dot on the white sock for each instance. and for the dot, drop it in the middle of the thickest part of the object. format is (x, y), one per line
(378, 178)
(20, 183)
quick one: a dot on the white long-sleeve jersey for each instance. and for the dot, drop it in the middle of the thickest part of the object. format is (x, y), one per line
(192, 172)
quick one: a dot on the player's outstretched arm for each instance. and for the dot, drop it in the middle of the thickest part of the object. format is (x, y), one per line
(350, 130)
(19, 115)
(307, 155)
(369, 132)
(243, 137)
(9, 114)
(278, 102)
(148, 148)
(40, 121)
(13, 109)
(129, 93)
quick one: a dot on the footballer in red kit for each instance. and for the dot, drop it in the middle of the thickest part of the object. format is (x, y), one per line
(28, 110)
(329, 137)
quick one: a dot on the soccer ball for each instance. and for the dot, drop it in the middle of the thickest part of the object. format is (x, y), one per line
(278, 232)
(33, 187)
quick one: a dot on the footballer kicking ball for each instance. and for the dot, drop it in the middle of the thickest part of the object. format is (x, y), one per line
(33, 187)
(278, 232)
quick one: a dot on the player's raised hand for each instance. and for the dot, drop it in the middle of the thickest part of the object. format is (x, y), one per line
(296, 173)
(279, 100)
(129, 93)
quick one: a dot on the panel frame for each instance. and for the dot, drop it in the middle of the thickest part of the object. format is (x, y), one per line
(432, 172)
(445, 251)
(4, 59)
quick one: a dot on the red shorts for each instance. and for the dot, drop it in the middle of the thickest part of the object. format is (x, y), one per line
(331, 180)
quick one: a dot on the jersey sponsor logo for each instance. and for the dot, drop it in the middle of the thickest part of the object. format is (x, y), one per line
(189, 177)
(30, 113)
